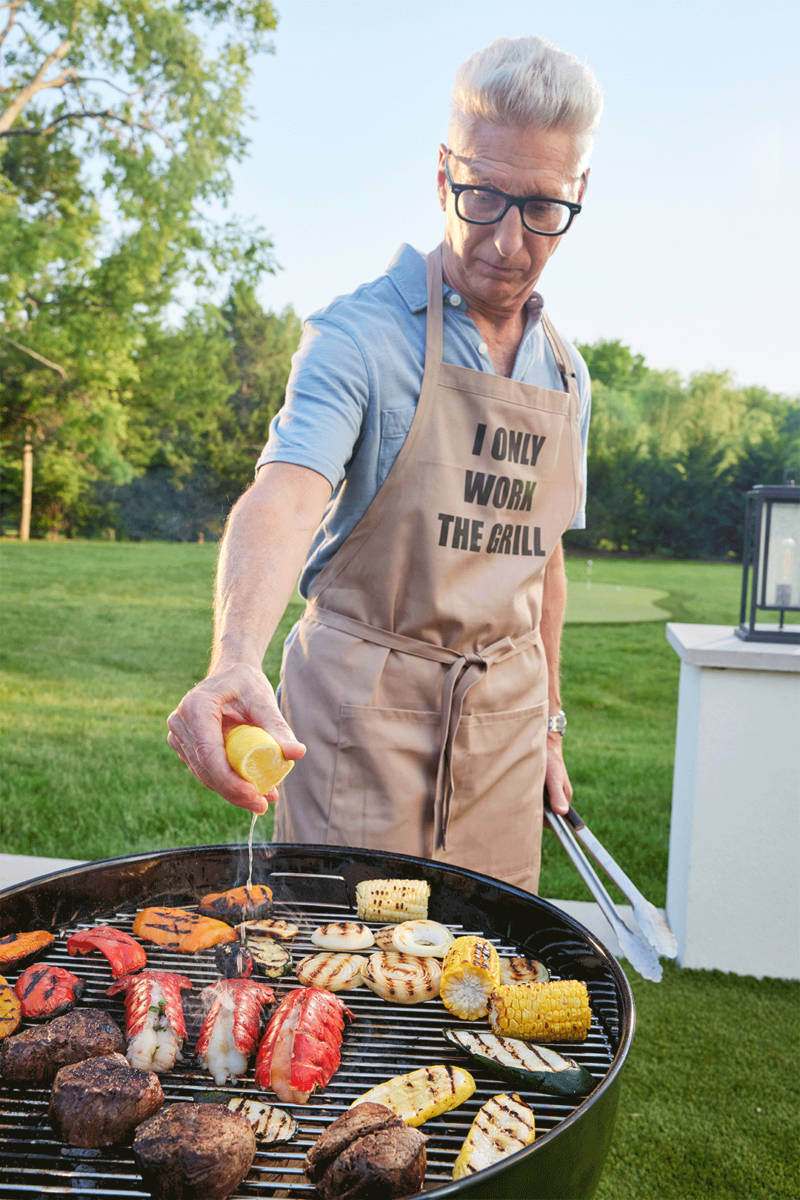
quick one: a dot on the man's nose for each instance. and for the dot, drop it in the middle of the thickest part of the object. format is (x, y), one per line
(509, 233)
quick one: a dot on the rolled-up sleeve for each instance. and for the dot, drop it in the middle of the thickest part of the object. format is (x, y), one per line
(326, 399)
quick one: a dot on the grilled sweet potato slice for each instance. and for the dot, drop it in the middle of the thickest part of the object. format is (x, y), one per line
(238, 904)
(180, 930)
(19, 948)
(10, 1009)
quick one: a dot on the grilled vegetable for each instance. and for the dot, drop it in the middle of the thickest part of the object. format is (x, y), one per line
(423, 939)
(422, 1094)
(393, 899)
(502, 1126)
(10, 1009)
(269, 1123)
(333, 972)
(384, 936)
(536, 1067)
(401, 978)
(180, 930)
(18, 948)
(44, 991)
(237, 904)
(523, 970)
(123, 952)
(301, 1048)
(342, 935)
(557, 1011)
(271, 927)
(470, 972)
(233, 961)
(269, 957)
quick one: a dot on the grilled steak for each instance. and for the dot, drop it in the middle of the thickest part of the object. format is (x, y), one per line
(99, 1102)
(34, 1056)
(194, 1152)
(367, 1153)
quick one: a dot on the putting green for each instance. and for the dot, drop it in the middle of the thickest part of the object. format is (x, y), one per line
(589, 602)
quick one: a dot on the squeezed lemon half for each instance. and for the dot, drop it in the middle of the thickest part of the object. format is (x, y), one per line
(256, 756)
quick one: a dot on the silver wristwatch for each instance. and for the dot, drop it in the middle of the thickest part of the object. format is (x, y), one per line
(557, 723)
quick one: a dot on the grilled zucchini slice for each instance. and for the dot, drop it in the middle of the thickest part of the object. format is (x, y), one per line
(536, 1067)
(523, 970)
(270, 958)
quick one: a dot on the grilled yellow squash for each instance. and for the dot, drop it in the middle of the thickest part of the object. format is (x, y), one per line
(502, 1126)
(423, 1093)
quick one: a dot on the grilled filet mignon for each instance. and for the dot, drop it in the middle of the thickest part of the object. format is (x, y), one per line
(35, 1055)
(99, 1102)
(194, 1152)
(368, 1153)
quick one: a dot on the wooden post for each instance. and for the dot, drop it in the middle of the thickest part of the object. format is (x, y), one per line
(27, 489)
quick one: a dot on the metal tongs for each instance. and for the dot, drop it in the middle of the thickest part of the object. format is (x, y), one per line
(654, 936)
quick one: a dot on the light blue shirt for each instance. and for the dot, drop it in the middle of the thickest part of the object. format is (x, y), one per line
(356, 378)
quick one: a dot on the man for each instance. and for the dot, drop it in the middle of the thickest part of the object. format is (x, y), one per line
(430, 454)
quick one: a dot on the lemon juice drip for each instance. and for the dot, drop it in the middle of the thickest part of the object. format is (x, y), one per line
(250, 852)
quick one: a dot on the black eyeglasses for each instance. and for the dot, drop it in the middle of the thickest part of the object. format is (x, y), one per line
(488, 205)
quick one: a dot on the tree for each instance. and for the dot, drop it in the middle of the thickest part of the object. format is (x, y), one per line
(117, 124)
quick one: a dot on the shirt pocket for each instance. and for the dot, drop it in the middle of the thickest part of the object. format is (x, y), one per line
(385, 768)
(395, 424)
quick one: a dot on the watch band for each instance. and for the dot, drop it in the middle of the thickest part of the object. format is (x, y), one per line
(557, 723)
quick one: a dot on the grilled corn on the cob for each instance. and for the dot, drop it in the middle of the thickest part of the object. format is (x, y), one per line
(470, 973)
(557, 1011)
(393, 899)
(422, 1094)
(502, 1126)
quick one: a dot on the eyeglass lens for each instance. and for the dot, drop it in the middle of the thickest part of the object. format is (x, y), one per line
(485, 207)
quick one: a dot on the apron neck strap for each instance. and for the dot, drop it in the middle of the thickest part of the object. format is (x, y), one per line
(433, 330)
(561, 354)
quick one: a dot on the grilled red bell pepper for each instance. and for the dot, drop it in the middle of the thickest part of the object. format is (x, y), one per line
(301, 1047)
(123, 952)
(44, 991)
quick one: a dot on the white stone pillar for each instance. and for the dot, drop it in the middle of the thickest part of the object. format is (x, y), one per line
(733, 885)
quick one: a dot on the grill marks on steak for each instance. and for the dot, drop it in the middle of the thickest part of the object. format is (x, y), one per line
(35, 1055)
(194, 1152)
(368, 1153)
(99, 1102)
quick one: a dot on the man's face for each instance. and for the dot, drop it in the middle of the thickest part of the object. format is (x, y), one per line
(496, 267)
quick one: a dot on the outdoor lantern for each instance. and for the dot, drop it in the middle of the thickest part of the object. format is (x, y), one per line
(771, 563)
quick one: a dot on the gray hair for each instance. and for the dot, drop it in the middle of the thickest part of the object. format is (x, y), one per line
(529, 81)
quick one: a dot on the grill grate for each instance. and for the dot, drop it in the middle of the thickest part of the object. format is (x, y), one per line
(384, 1040)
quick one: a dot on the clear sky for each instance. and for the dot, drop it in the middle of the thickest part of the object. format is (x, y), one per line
(688, 249)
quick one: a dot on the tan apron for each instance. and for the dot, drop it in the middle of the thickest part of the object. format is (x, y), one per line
(416, 676)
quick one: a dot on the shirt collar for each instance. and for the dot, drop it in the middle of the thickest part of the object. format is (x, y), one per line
(407, 271)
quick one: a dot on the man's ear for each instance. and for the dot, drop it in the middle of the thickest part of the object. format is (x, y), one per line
(584, 184)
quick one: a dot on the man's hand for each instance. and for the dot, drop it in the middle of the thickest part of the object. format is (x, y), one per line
(240, 695)
(556, 780)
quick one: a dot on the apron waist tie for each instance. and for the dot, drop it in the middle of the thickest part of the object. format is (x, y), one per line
(464, 671)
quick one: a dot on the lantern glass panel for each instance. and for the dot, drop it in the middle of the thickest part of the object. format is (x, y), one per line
(780, 541)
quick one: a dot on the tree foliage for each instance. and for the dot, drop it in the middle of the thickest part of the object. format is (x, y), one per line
(118, 122)
(670, 461)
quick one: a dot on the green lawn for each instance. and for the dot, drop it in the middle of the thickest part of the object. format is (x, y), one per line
(101, 640)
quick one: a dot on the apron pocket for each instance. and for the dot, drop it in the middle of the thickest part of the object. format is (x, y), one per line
(383, 778)
(498, 773)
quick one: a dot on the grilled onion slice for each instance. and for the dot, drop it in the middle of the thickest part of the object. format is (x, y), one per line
(402, 978)
(423, 939)
(331, 971)
(275, 927)
(342, 935)
(383, 936)
(523, 970)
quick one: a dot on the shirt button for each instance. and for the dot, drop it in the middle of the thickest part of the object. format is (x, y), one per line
(454, 299)
(483, 348)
